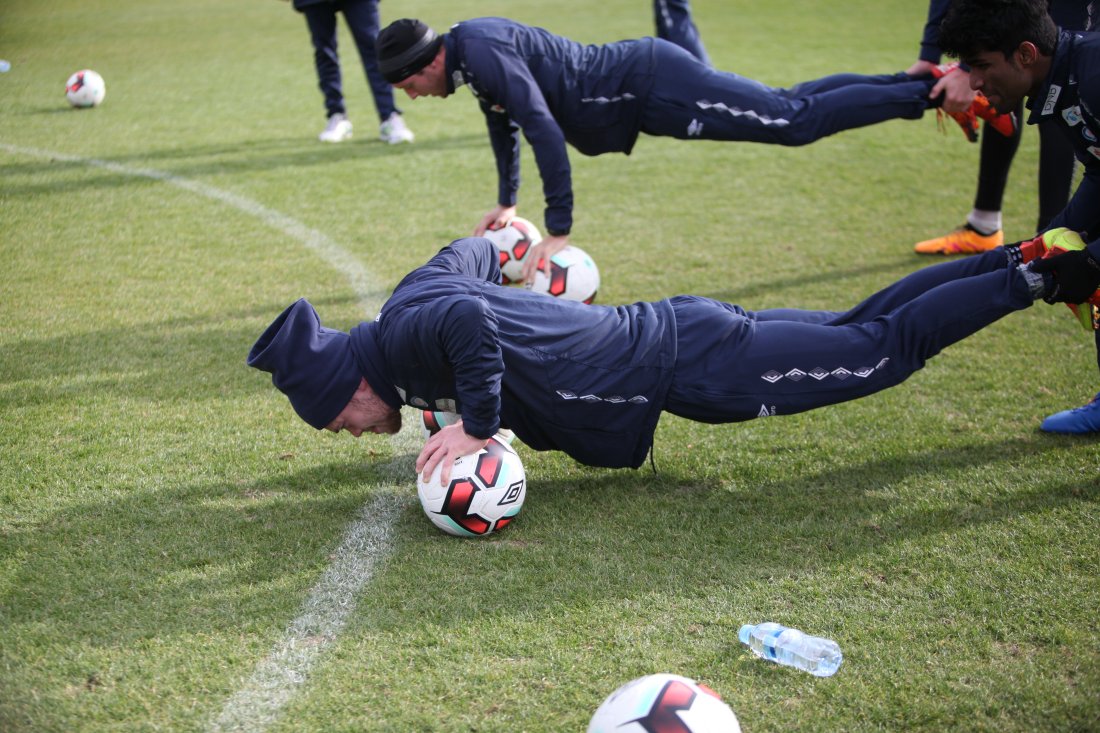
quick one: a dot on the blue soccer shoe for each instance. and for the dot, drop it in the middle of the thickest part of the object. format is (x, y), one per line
(1078, 421)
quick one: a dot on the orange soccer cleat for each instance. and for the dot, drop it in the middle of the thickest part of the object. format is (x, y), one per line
(980, 108)
(963, 241)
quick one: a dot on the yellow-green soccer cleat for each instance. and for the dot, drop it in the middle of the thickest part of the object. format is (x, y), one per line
(963, 241)
(1057, 242)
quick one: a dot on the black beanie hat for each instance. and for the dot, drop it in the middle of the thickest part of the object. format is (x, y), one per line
(310, 364)
(404, 47)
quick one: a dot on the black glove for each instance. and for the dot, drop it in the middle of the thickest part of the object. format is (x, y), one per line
(1076, 276)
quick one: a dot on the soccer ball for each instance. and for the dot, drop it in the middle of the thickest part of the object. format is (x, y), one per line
(514, 241)
(663, 702)
(85, 89)
(573, 276)
(485, 493)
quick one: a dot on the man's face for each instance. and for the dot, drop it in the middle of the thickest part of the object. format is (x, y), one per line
(366, 413)
(1004, 81)
(431, 81)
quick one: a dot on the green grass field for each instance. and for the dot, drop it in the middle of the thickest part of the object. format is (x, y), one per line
(179, 552)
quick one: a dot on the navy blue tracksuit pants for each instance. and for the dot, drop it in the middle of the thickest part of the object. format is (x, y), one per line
(736, 365)
(692, 100)
(362, 19)
(672, 19)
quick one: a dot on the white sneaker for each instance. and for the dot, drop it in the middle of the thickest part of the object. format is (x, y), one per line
(337, 130)
(394, 131)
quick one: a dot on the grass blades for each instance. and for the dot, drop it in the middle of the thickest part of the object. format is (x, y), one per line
(173, 539)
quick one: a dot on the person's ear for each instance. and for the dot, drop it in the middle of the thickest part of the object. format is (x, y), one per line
(1026, 54)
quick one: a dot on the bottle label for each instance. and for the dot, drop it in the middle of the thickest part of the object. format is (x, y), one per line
(770, 641)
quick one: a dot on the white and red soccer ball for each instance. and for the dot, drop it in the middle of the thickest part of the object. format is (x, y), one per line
(514, 241)
(573, 274)
(485, 492)
(85, 88)
(664, 702)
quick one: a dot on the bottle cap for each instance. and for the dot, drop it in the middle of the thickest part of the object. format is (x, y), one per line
(743, 634)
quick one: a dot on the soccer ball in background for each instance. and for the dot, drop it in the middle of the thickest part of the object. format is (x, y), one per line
(485, 493)
(85, 89)
(573, 276)
(514, 241)
(663, 702)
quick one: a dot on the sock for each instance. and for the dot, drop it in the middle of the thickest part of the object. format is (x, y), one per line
(1015, 256)
(984, 222)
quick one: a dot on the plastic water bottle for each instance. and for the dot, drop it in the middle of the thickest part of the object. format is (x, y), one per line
(820, 657)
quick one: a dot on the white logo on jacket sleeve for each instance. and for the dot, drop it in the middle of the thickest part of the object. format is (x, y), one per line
(614, 399)
(1052, 98)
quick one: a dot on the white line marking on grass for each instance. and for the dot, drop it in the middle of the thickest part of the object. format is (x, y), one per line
(333, 254)
(326, 611)
(367, 541)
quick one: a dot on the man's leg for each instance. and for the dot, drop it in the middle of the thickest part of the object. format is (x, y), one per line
(674, 24)
(1056, 163)
(362, 19)
(690, 100)
(733, 368)
(321, 20)
(898, 293)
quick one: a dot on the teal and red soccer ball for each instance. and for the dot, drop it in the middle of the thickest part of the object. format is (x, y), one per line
(485, 492)
(573, 276)
(664, 702)
(85, 88)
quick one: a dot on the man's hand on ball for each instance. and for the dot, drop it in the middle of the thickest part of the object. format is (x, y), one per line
(498, 217)
(446, 446)
(540, 256)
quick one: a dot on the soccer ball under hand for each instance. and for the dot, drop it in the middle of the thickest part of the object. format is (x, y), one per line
(85, 89)
(485, 493)
(663, 702)
(573, 276)
(514, 241)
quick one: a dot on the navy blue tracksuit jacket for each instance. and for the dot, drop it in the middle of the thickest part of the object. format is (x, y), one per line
(593, 380)
(599, 98)
(1070, 98)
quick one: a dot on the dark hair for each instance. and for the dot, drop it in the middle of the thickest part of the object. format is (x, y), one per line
(972, 27)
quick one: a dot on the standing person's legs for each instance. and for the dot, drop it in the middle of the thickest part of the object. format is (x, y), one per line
(321, 20)
(983, 228)
(1056, 164)
(362, 19)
